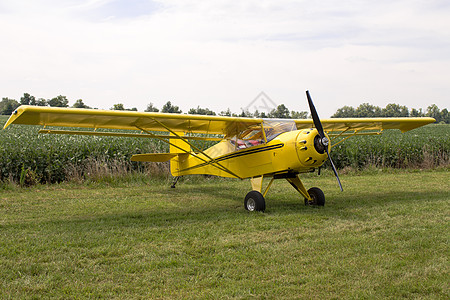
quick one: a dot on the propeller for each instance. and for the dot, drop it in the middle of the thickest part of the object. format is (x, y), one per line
(323, 141)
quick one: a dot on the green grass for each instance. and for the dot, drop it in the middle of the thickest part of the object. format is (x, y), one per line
(385, 236)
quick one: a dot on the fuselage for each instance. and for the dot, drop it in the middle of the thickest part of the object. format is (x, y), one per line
(289, 152)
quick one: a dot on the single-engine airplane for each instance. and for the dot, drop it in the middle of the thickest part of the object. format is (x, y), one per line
(251, 148)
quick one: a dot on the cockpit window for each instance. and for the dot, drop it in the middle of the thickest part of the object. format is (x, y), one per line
(254, 136)
(274, 128)
(250, 137)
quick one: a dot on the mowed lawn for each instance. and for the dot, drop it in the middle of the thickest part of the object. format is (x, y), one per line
(385, 236)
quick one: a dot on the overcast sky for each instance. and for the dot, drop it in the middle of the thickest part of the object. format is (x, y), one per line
(221, 54)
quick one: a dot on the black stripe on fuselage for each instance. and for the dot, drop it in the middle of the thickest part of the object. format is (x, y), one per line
(237, 154)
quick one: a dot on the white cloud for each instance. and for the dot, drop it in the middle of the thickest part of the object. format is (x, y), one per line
(221, 54)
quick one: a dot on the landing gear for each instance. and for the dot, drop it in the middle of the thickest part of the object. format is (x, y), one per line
(174, 182)
(254, 201)
(317, 197)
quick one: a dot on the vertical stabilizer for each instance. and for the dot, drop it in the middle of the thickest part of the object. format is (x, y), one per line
(177, 145)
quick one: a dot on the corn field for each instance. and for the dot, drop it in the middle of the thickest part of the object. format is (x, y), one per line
(27, 157)
(425, 147)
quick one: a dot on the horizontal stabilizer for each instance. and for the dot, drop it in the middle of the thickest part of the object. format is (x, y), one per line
(154, 157)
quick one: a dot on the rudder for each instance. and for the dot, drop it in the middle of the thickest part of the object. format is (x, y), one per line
(180, 147)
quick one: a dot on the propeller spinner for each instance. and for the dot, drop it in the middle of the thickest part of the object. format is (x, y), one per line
(323, 141)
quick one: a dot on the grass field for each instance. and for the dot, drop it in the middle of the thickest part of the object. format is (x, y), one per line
(385, 236)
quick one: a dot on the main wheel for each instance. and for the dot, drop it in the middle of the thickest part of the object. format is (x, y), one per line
(254, 201)
(317, 196)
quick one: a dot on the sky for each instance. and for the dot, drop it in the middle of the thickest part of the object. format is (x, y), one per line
(222, 54)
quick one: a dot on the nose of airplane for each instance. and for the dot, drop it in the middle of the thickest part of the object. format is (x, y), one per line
(311, 148)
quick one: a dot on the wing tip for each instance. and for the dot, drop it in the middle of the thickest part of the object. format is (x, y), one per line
(14, 115)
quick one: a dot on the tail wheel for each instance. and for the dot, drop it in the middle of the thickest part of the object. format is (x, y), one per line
(317, 197)
(254, 201)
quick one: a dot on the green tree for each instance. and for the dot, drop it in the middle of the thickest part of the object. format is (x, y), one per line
(445, 116)
(59, 101)
(8, 109)
(245, 114)
(434, 112)
(392, 110)
(27, 99)
(345, 112)
(226, 113)
(151, 108)
(256, 114)
(416, 113)
(299, 114)
(395, 110)
(41, 102)
(118, 106)
(169, 108)
(7, 106)
(281, 112)
(367, 110)
(80, 104)
(201, 111)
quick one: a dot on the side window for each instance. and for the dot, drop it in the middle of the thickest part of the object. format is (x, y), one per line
(248, 138)
(274, 128)
(254, 136)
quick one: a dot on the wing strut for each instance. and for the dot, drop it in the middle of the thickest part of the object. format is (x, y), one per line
(211, 160)
(121, 134)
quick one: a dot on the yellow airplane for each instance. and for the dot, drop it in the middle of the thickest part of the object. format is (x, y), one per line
(247, 147)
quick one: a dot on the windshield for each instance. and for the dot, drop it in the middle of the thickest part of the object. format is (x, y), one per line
(250, 137)
(254, 136)
(274, 128)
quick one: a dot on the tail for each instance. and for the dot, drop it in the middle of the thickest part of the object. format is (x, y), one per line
(179, 153)
(181, 149)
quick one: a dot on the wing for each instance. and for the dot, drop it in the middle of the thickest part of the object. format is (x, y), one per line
(129, 120)
(228, 126)
(359, 124)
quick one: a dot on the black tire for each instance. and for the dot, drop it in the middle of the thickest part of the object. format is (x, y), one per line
(254, 201)
(318, 197)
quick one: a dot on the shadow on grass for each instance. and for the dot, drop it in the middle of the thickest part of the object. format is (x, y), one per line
(227, 204)
(338, 203)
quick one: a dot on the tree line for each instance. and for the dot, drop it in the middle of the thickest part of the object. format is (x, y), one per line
(365, 110)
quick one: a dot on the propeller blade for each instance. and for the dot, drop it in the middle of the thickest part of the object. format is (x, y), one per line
(323, 138)
(334, 170)
(314, 115)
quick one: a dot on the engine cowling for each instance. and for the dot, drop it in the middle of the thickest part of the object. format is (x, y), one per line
(311, 149)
